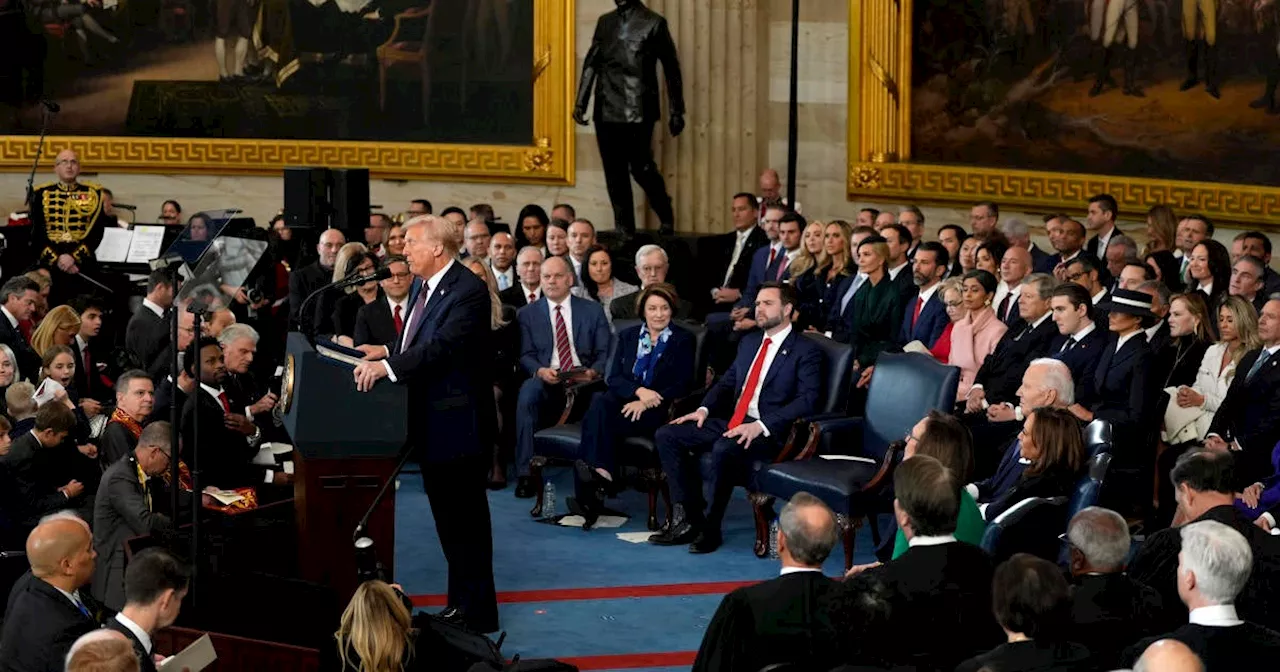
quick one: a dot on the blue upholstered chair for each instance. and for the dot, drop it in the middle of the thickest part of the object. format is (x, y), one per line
(1030, 526)
(1086, 494)
(847, 462)
(1097, 437)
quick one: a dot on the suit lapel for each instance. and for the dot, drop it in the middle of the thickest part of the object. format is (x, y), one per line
(579, 324)
(779, 359)
(1126, 351)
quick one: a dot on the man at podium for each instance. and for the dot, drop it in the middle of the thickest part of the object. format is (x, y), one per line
(440, 356)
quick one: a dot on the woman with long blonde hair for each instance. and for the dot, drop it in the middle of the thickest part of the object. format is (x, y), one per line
(376, 632)
(815, 288)
(811, 254)
(59, 327)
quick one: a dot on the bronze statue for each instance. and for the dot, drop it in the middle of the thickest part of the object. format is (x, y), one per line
(621, 67)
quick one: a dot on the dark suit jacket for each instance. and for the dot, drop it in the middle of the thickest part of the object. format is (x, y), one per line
(589, 331)
(928, 327)
(225, 454)
(790, 390)
(345, 310)
(1121, 396)
(1112, 611)
(1250, 414)
(302, 282)
(1091, 246)
(1034, 656)
(1040, 260)
(146, 337)
(624, 307)
(1177, 363)
(167, 394)
(41, 627)
(117, 442)
(1160, 339)
(761, 272)
(120, 513)
(514, 296)
(1233, 648)
(375, 324)
(1083, 358)
(943, 590)
(450, 387)
(146, 662)
(672, 374)
(1001, 372)
(784, 619)
(726, 242)
(91, 383)
(1050, 483)
(37, 495)
(28, 361)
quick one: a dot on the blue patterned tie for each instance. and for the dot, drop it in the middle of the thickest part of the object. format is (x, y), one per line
(1257, 366)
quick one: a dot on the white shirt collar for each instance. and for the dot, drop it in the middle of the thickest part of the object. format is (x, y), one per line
(1039, 321)
(1084, 331)
(1272, 350)
(792, 254)
(153, 307)
(403, 303)
(931, 541)
(1218, 616)
(564, 303)
(893, 272)
(136, 630)
(1151, 331)
(1206, 288)
(796, 570)
(1069, 257)
(779, 337)
(81, 343)
(1097, 298)
(434, 281)
(13, 321)
(213, 391)
(1125, 339)
(74, 597)
(927, 294)
(535, 291)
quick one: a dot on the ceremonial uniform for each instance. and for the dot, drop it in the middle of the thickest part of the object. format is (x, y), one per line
(1106, 18)
(1207, 11)
(66, 219)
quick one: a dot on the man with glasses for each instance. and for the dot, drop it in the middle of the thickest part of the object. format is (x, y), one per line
(382, 322)
(1083, 271)
(132, 501)
(651, 267)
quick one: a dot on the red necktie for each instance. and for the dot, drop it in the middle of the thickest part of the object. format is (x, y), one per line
(562, 342)
(1004, 307)
(222, 398)
(88, 365)
(782, 267)
(395, 317)
(772, 254)
(916, 316)
(749, 390)
(532, 297)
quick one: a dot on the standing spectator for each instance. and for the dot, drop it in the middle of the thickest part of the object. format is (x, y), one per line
(146, 337)
(305, 280)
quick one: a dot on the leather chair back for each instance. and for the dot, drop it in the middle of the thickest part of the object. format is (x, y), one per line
(904, 388)
(1097, 437)
(619, 326)
(838, 361)
(700, 353)
(1086, 494)
(1030, 526)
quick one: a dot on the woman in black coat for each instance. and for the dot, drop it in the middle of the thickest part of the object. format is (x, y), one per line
(347, 307)
(652, 367)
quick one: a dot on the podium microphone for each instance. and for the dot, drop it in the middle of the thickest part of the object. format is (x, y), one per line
(380, 274)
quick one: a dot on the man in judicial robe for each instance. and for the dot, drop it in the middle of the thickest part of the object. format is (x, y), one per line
(782, 620)
(135, 397)
(440, 358)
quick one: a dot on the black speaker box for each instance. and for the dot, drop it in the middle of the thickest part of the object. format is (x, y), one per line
(349, 196)
(306, 198)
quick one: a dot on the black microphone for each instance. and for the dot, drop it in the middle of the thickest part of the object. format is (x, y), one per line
(51, 106)
(380, 274)
(123, 206)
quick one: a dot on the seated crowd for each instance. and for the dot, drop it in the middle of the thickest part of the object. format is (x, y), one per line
(718, 370)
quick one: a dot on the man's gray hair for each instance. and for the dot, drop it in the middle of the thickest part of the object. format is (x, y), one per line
(101, 635)
(646, 250)
(235, 332)
(1043, 282)
(439, 229)
(531, 249)
(808, 544)
(1013, 227)
(1258, 265)
(1057, 377)
(915, 211)
(126, 379)
(1158, 290)
(1102, 536)
(65, 514)
(1220, 558)
(1126, 242)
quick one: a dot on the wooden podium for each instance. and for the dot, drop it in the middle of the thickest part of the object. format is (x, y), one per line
(346, 444)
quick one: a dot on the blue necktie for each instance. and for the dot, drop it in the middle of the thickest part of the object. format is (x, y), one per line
(1257, 366)
(503, 281)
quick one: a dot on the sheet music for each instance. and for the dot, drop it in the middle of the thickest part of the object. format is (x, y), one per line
(115, 244)
(147, 244)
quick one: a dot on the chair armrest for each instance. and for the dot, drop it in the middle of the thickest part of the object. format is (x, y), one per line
(687, 403)
(829, 424)
(575, 390)
(892, 457)
(413, 14)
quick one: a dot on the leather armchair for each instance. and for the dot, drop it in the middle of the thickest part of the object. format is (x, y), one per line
(1030, 526)
(1097, 437)
(847, 461)
(1086, 495)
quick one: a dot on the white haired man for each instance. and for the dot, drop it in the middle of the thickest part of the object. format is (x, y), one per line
(652, 265)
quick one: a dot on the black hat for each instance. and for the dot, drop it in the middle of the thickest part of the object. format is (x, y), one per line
(1128, 302)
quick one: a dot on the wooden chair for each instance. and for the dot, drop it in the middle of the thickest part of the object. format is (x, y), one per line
(398, 51)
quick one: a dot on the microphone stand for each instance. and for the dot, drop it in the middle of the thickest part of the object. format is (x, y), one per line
(198, 311)
(367, 565)
(45, 115)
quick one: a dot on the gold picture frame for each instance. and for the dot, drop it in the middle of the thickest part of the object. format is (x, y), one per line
(548, 159)
(879, 146)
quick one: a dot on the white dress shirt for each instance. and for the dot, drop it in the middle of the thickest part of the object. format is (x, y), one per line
(74, 597)
(428, 287)
(404, 308)
(137, 631)
(566, 311)
(1097, 298)
(1079, 335)
(738, 244)
(13, 321)
(1002, 290)
(1206, 288)
(1104, 241)
(893, 272)
(1151, 331)
(1216, 616)
(775, 344)
(796, 570)
(526, 291)
(927, 294)
(153, 307)
(931, 541)
(1125, 339)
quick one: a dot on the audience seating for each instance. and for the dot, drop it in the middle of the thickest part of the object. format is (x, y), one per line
(1030, 526)
(855, 456)
(1097, 437)
(559, 444)
(1087, 493)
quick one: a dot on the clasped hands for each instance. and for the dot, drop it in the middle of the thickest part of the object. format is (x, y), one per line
(646, 400)
(744, 434)
(551, 376)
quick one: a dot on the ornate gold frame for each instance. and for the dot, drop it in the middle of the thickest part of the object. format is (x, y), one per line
(879, 146)
(549, 159)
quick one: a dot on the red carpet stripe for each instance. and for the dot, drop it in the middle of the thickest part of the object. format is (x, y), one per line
(605, 593)
(628, 661)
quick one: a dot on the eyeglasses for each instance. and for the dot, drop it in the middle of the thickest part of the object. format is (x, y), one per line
(401, 276)
(954, 304)
(1072, 277)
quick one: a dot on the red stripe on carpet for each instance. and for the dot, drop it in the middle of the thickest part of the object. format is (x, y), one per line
(605, 593)
(628, 661)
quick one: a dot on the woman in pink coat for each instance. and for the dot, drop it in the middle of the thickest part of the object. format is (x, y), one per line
(975, 336)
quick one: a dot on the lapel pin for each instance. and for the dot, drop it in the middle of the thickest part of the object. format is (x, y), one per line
(784, 352)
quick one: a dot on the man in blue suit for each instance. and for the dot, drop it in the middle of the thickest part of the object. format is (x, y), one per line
(563, 338)
(926, 316)
(439, 357)
(1080, 341)
(775, 379)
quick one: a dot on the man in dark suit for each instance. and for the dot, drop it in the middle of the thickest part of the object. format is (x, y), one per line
(17, 302)
(228, 440)
(1067, 236)
(309, 278)
(29, 466)
(926, 317)
(775, 379)
(1158, 335)
(1256, 244)
(1213, 567)
(996, 383)
(734, 252)
(529, 289)
(1102, 216)
(898, 239)
(651, 267)
(440, 357)
(1046, 382)
(1087, 272)
(1205, 485)
(785, 619)
(1080, 342)
(46, 618)
(563, 339)
(154, 587)
(382, 322)
(90, 378)
(135, 400)
(1248, 419)
(940, 586)
(1109, 609)
(131, 502)
(1015, 266)
(146, 337)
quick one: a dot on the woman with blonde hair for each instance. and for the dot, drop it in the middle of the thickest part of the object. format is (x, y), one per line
(59, 327)
(814, 290)
(327, 302)
(506, 352)
(811, 254)
(952, 292)
(1238, 329)
(1162, 231)
(376, 632)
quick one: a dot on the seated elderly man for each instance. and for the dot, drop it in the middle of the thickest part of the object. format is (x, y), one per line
(1046, 382)
(652, 265)
(1213, 566)
(101, 651)
(1109, 609)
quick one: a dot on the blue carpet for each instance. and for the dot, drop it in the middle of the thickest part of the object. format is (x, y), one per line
(532, 556)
